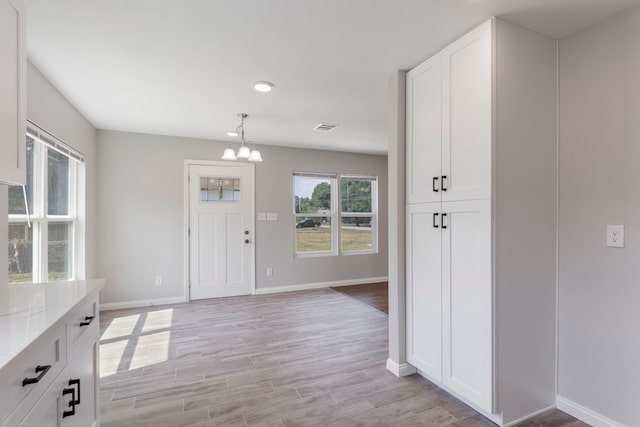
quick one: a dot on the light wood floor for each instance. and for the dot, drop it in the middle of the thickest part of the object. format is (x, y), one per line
(292, 359)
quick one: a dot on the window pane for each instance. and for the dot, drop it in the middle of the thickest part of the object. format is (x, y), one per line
(219, 189)
(58, 183)
(59, 249)
(313, 234)
(356, 195)
(357, 233)
(16, 197)
(312, 195)
(20, 253)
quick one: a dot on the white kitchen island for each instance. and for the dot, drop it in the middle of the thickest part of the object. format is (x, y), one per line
(49, 359)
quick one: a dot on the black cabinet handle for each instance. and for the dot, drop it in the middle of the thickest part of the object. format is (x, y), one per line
(434, 184)
(442, 186)
(76, 382)
(435, 220)
(39, 369)
(442, 224)
(87, 321)
(72, 403)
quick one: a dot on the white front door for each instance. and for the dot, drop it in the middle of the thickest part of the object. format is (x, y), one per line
(221, 238)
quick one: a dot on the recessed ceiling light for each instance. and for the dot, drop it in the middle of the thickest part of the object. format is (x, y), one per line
(232, 133)
(263, 86)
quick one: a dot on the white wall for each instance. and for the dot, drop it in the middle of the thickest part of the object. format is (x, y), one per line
(397, 263)
(140, 187)
(50, 110)
(599, 312)
(4, 237)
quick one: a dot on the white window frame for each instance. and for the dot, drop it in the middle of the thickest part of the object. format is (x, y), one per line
(333, 178)
(373, 214)
(39, 218)
(336, 215)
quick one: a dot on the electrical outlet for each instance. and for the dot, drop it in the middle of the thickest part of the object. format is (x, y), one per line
(269, 271)
(615, 236)
(158, 280)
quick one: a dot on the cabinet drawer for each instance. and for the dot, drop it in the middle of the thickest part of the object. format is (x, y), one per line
(23, 383)
(44, 413)
(82, 321)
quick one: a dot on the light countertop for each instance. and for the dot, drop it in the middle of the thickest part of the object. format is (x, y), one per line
(29, 310)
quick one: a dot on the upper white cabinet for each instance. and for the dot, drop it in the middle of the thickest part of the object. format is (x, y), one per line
(424, 131)
(449, 127)
(13, 106)
(466, 117)
(481, 182)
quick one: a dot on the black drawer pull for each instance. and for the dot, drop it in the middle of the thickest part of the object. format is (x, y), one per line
(72, 403)
(39, 369)
(87, 321)
(442, 183)
(442, 224)
(434, 184)
(76, 382)
(435, 220)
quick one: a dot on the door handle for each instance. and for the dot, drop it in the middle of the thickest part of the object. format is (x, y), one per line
(246, 241)
(434, 184)
(72, 403)
(435, 220)
(76, 382)
(442, 224)
(246, 232)
(87, 321)
(442, 186)
(42, 370)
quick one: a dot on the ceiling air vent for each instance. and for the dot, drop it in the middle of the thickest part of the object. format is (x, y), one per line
(325, 127)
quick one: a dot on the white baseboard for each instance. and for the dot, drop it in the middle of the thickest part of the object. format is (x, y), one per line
(400, 370)
(320, 285)
(585, 414)
(141, 303)
(526, 417)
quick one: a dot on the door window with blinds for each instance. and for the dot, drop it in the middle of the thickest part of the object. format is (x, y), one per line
(43, 213)
(334, 215)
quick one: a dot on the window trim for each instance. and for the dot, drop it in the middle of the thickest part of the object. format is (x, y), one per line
(373, 214)
(39, 218)
(333, 214)
(337, 214)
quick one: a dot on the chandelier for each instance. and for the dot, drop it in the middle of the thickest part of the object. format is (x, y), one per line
(244, 152)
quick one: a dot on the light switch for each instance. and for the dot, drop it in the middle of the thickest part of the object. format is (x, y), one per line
(262, 216)
(272, 216)
(615, 236)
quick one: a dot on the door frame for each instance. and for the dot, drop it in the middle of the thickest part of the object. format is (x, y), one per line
(186, 214)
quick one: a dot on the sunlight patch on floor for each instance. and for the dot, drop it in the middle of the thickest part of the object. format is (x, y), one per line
(120, 327)
(111, 357)
(160, 319)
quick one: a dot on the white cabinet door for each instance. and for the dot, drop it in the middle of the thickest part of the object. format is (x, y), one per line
(13, 75)
(424, 289)
(467, 116)
(47, 412)
(82, 376)
(424, 131)
(467, 300)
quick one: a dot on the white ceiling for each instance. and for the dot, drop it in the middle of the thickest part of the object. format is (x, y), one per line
(186, 67)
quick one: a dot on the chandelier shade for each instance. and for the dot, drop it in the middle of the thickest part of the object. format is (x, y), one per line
(244, 152)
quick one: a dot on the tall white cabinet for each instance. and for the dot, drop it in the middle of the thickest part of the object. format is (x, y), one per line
(481, 203)
(13, 102)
